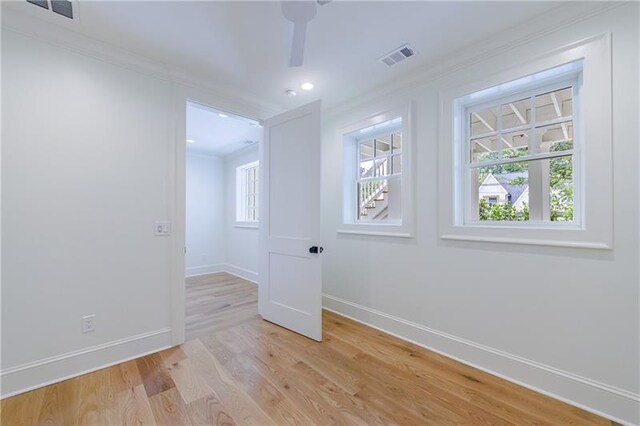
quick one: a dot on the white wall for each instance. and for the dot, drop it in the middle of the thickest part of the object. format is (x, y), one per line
(564, 321)
(205, 214)
(86, 151)
(241, 242)
(90, 142)
(214, 241)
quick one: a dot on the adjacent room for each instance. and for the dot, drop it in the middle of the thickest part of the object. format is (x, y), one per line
(320, 212)
(221, 222)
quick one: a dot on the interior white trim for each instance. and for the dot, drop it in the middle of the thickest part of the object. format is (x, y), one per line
(246, 225)
(375, 234)
(36, 374)
(596, 135)
(237, 271)
(616, 404)
(528, 241)
(406, 225)
(242, 273)
(133, 61)
(205, 269)
(563, 16)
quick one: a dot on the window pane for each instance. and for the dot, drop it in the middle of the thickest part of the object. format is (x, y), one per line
(382, 167)
(375, 168)
(484, 149)
(484, 121)
(383, 145)
(561, 189)
(397, 142)
(552, 105)
(555, 137)
(366, 169)
(366, 150)
(396, 164)
(515, 144)
(379, 200)
(516, 114)
(502, 193)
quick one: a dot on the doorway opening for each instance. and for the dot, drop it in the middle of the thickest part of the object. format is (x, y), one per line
(221, 219)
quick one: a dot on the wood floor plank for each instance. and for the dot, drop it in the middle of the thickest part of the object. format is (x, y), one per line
(169, 409)
(240, 406)
(237, 369)
(23, 410)
(154, 374)
(258, 387)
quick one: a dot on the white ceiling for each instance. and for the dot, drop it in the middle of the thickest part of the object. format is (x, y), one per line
(243, 46)
(215, 135)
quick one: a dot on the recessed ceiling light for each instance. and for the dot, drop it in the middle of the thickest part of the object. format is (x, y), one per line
(190, 141)
(221, 115)
(290, 93)
(306, 86)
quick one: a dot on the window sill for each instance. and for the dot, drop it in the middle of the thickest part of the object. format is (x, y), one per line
(375, 233)
(246, 225)
(528, 241)
(394, 228)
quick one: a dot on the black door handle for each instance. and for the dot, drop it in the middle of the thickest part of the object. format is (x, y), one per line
(315, 250)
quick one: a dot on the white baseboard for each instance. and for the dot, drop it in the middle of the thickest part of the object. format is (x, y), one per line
(607, 401)
(223, 267)
(33, 375)
(242, 273)
(205, 269)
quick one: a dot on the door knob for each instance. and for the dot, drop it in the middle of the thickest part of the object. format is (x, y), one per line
(315, 250)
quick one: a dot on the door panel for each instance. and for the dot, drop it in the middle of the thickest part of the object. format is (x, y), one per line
(290, 276)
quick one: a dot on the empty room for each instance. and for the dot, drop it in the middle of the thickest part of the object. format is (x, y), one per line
(320, 212)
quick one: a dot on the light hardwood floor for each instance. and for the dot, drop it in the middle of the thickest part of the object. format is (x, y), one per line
(243, 370)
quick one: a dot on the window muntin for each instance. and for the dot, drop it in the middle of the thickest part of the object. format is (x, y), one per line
(521, 154)
(378, 185)
(247, 181)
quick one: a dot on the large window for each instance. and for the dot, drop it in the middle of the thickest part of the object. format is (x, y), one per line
(522, 155)
(377, 177)
(247, 193)
(525, 150)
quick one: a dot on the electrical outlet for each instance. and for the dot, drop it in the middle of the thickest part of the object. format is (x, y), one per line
(88, 323)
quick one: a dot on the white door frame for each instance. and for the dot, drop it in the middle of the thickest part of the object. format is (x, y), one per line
(177, 184)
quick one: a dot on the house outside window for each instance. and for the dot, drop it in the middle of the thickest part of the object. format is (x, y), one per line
(247, 185)
(522, 161)
(536, 136)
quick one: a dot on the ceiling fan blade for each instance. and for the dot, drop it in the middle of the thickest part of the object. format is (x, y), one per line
(297, 35)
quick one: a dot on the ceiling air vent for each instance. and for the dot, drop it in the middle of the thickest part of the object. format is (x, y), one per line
(60, 7)
(397, 55)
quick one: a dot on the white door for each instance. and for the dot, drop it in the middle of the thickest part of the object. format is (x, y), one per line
(290, 281)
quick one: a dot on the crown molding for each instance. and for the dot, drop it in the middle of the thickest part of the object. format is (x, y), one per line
(69, 37)
(539, 26)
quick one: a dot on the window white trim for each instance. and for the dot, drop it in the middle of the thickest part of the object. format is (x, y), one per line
(568, 75)
(350, 223)
(595, 229)
(242, 196)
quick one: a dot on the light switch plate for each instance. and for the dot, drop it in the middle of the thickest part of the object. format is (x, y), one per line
(163, 228)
